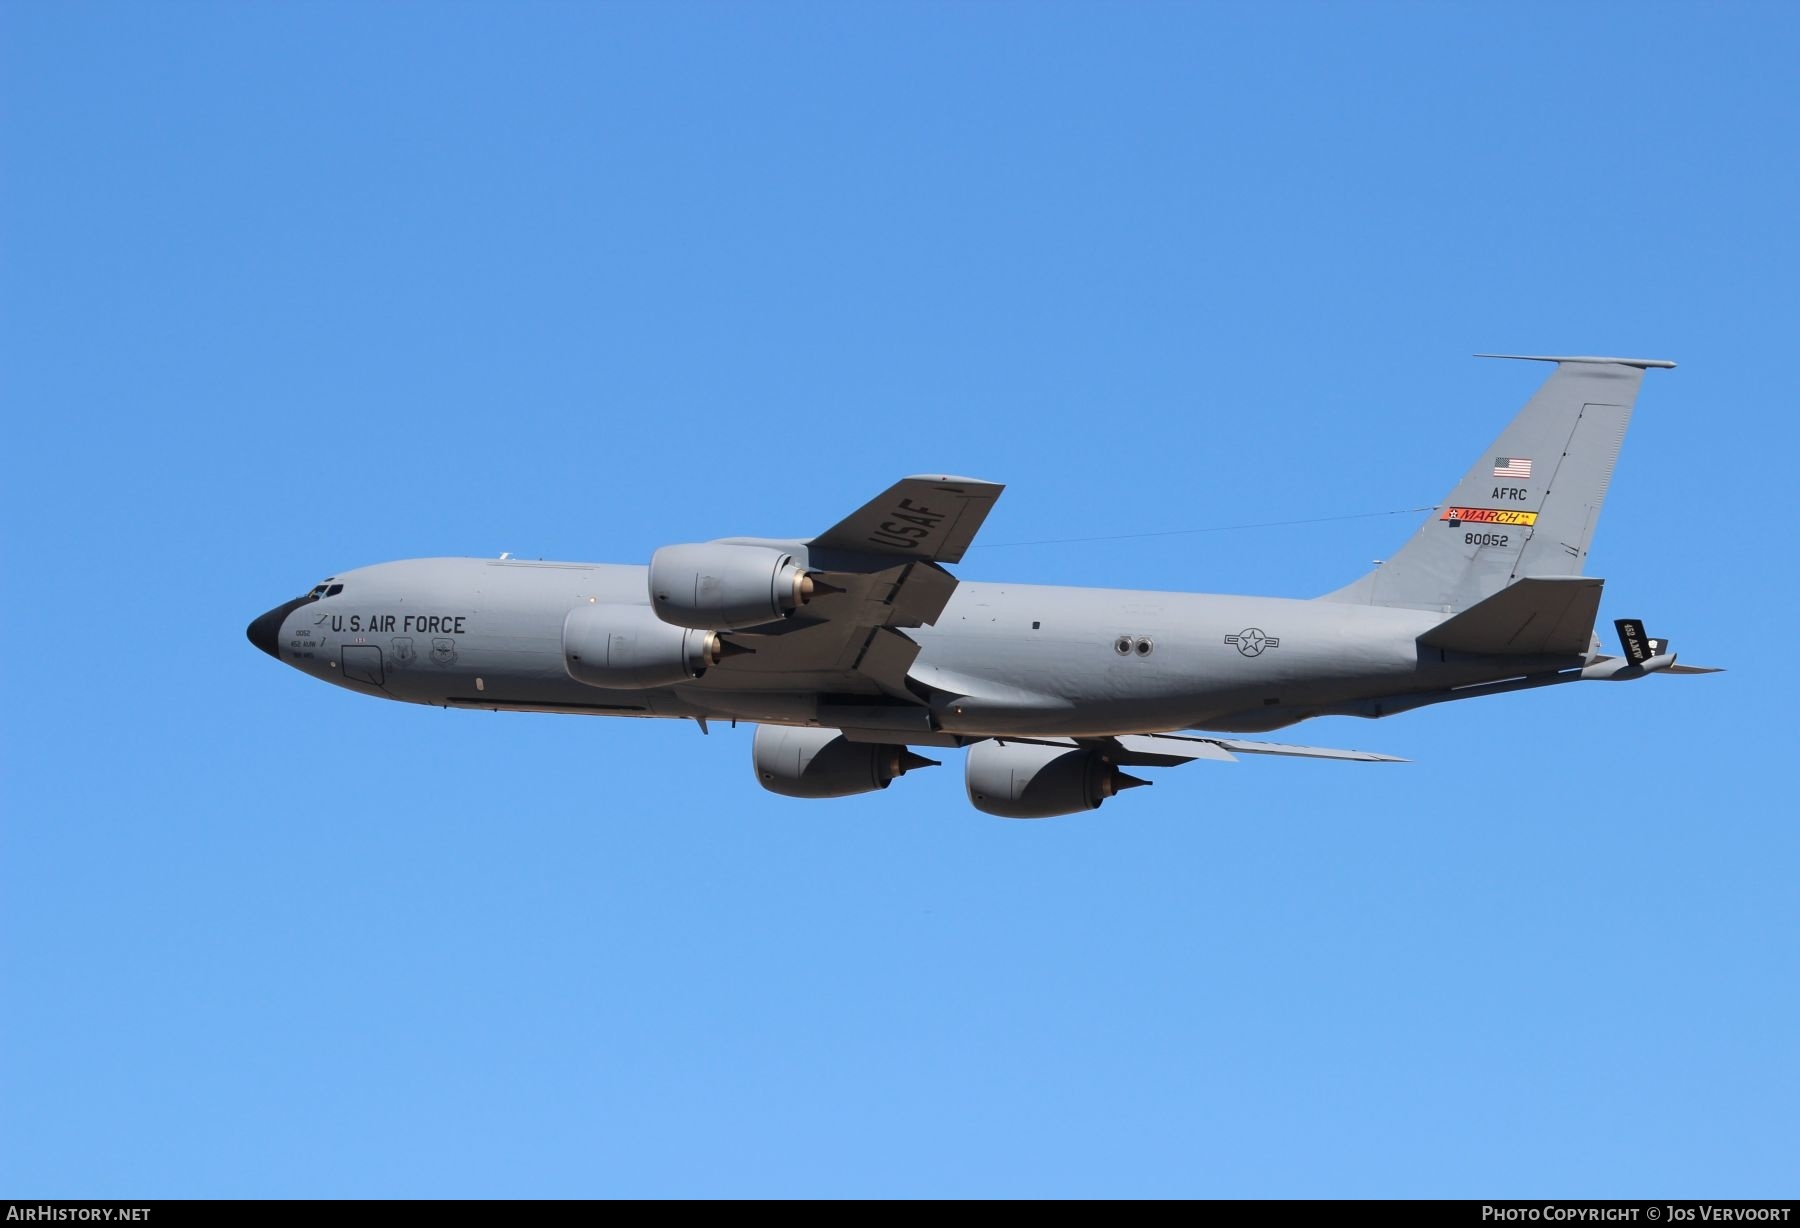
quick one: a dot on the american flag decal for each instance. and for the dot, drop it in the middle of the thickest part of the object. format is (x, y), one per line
(1512, 467)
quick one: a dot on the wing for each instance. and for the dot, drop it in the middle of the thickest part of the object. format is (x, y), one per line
(1175, 749)
(927, 518)
(1171, 749)
(874, 572)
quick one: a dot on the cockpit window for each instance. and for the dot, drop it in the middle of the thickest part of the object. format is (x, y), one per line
(334, 590)
(318, 591)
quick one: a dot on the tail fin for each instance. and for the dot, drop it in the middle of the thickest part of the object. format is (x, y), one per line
(1529, 505)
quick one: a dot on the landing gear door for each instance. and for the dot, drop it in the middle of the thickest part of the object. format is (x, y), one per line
(362, 663)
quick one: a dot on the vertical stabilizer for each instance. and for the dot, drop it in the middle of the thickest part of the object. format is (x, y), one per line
(1529, 504)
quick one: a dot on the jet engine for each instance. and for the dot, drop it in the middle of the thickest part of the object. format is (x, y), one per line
(626, 647)
(1028, 780)
(724, 586)
(806, 762)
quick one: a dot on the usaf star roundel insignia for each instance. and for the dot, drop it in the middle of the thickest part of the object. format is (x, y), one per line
(1251, 641)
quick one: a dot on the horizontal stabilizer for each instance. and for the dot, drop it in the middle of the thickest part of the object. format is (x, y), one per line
(1535, 616)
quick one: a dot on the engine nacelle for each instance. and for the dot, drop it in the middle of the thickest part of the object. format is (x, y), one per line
(626, 647)
(806, 762)
(1025, 780)
(721, 586)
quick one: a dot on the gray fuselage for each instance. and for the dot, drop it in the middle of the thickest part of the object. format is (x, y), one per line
(1001, 658)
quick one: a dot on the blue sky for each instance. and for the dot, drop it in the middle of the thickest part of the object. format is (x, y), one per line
(291, 288)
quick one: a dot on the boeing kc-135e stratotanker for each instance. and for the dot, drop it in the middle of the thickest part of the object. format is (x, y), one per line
(852, 647)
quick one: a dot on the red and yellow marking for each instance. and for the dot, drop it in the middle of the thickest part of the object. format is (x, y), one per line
(1489, 515)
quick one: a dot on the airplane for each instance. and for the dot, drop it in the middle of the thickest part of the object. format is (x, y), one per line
(848, 649)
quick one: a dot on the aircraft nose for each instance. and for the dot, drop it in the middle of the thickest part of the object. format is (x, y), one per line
(265, 630)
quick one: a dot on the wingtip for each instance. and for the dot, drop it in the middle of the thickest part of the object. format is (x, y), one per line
(1645, 363)
(952, 479)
